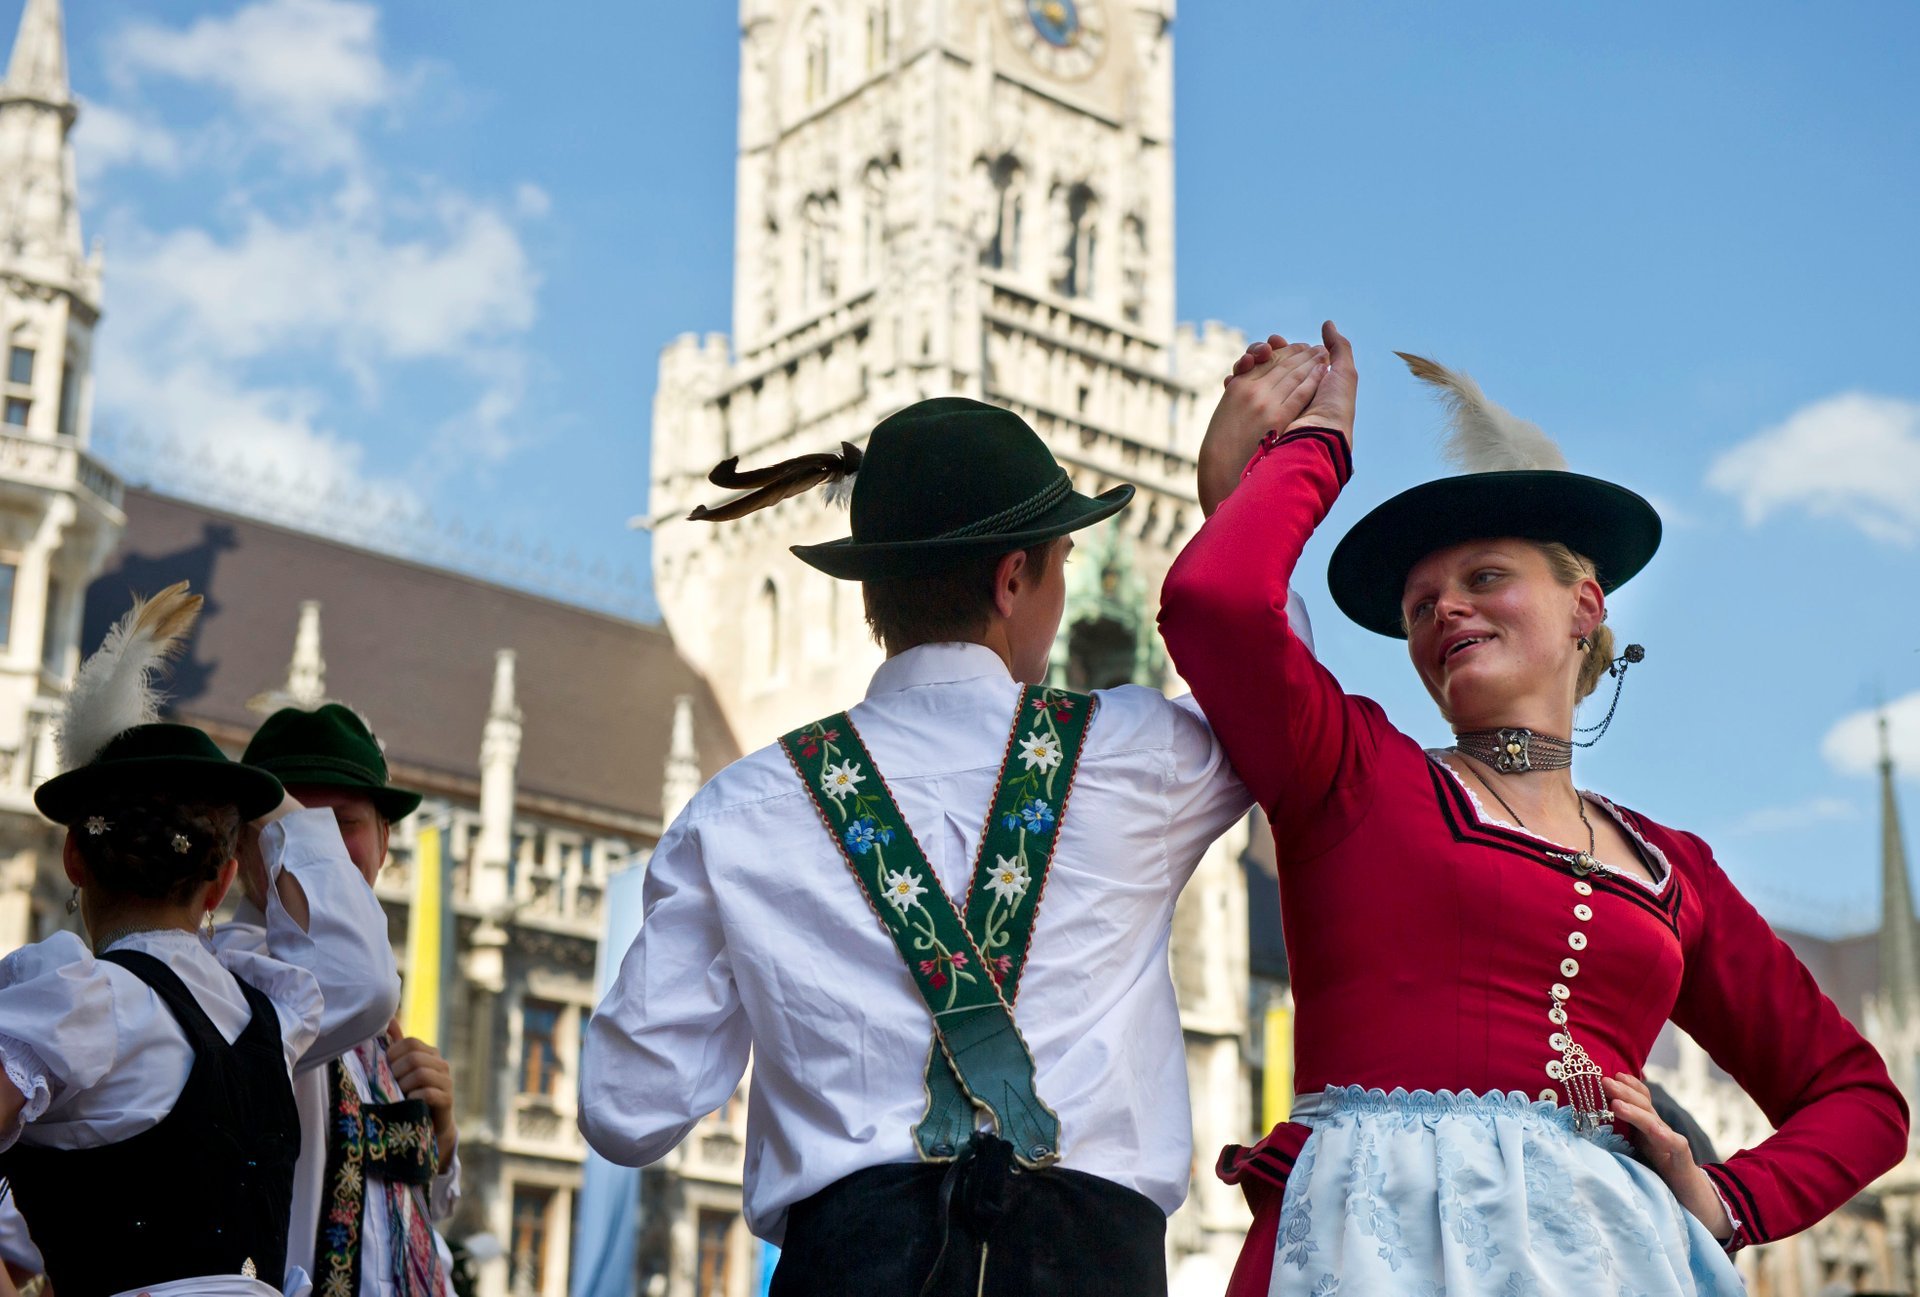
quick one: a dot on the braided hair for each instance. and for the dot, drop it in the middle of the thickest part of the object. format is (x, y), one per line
(150, 845)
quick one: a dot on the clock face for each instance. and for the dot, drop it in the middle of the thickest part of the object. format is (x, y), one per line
(1065, 38)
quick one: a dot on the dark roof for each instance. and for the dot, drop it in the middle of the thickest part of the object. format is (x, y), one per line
(1847, 968)
(413, 647)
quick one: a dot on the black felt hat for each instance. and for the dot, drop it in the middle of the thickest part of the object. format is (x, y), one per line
(330, 746)
(949, 479)
(176, 760)
(1517, 485)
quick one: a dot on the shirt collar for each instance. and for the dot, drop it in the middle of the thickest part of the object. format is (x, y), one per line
(932, 664)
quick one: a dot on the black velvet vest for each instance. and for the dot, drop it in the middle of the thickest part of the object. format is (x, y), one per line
(202, 1193)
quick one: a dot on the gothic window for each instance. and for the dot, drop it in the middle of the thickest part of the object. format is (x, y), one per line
(711, 1277)
(539, 1048)
(873, 220)
(532, 1206)
(20, 365)
(814, 41)
(819, 268)
(1133, 268)
(1003, 248)
(69, 398)
(879, 36)
(7, 574)
(1078, 215)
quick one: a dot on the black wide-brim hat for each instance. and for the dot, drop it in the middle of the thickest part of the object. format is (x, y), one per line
(1606, 523)
(330, 747)
(173, 760)
(950, 479)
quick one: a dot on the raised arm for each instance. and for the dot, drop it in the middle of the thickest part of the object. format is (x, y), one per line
(1295, 737)
(1839, 1122)
(322, 917)
(669, 1043)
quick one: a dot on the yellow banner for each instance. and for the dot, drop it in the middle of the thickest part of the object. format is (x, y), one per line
(420, 1011)
(1276, 1090)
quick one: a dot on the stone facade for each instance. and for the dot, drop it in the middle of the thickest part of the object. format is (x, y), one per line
(972, 198)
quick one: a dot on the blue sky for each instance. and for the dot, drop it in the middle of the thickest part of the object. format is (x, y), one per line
(419, 260)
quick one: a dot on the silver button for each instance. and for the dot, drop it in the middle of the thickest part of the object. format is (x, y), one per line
(1558, 1041)
(1577, 940)
(1583, 912)
(1560, 991)
(1554, 1069)
(1583, 887)
(1557, 1016)
(1549, 1095)
(1569, 968)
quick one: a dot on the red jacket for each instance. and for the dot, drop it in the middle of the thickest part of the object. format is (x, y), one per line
(1424, 943)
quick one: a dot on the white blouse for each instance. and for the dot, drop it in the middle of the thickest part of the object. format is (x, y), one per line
(98, 1054)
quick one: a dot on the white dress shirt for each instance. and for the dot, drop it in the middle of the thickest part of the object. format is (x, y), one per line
(100, 1057)
(247, 931)
(757, 936)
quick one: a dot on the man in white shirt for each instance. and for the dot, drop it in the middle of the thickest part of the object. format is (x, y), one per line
(390, 1249)
(761, 935)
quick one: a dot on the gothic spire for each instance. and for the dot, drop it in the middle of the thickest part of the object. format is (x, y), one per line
(39, 206)
(38, 69)
(1899, 934)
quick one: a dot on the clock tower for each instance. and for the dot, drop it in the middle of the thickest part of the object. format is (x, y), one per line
(969, 197)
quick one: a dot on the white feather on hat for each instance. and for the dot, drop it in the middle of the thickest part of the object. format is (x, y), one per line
(1484, 438)
(113, 691)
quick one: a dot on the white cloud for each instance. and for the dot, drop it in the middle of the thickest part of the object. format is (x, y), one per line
(337, 279)
(105, 137)
(1852, 746)
(1778, 819)
(1854, 457)
(300, 71)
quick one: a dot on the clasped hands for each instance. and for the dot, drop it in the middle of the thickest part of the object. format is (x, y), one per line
(1276, 385)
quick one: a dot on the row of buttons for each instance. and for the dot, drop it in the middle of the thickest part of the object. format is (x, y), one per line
(1557, 1013)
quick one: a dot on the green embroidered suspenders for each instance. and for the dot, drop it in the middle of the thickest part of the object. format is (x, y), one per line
(967, 972)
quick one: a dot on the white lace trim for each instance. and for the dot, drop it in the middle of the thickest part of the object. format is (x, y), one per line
(1613, 812)
(29, 1076)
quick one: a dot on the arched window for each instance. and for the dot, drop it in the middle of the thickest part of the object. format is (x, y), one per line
(1133, 267)
(819, 266)
(814, 40)
(1077, 216)
(873, 219)
(1008, 185)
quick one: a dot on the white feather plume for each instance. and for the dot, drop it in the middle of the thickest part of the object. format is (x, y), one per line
(114, 691)
(1484, 438)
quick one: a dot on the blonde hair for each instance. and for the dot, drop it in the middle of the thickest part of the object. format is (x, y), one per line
(1570, 569)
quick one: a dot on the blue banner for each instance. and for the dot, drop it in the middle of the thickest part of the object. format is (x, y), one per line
(607, 1229)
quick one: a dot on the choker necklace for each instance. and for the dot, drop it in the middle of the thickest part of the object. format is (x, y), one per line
(1514, 752)
(121, 934)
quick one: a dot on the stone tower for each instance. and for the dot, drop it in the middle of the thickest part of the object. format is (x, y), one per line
(59, 508)
(968, 197)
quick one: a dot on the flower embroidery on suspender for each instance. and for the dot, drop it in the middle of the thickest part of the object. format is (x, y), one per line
(904, 890)
(841, 780)
(1041, 751)
(1009, 881)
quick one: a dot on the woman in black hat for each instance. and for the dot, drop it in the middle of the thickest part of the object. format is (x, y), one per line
(1482, 954)
(147, 1124)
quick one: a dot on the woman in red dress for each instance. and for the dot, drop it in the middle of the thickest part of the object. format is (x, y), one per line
(1482, 954)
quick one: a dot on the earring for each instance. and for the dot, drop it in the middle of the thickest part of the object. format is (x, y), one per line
(209, 925)
(1584, 644)
(73, 901)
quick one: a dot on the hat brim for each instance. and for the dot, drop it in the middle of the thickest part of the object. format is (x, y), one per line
(879, 561)
(67, 798)
(394, 804)
(1367, 575)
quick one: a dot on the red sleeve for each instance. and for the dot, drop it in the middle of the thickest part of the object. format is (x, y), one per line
(1301, 745)
(1839, 1122)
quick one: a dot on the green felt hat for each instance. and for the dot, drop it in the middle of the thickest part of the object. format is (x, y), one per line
(177, 760)
(950, 479)
(332, 747)
(1517, 484)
